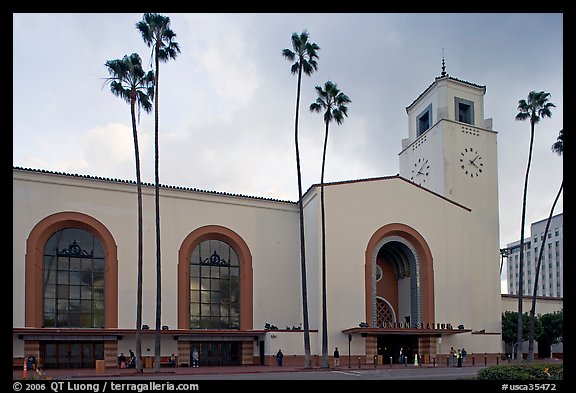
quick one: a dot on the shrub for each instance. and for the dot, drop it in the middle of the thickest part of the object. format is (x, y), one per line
(522, 372)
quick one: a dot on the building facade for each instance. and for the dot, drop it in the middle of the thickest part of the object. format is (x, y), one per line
(550, 280)
(412, 259)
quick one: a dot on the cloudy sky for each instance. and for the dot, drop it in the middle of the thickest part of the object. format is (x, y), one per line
(227, 102)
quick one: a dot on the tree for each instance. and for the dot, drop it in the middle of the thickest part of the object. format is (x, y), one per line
(156, 33)
(510, 327)
(333, 102)
(536, 107)
(558, 148)
(129, 82)
(304, 55)
(552, 330)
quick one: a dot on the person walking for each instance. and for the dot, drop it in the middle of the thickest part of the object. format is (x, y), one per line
(459, 357)
(401, 358)
(279, 357)
(464, 355)
(452, 356)
(336, 358)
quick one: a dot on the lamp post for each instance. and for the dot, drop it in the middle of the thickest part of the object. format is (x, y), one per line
(349, 341)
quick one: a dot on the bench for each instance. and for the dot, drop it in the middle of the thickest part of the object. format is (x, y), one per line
(165, 361)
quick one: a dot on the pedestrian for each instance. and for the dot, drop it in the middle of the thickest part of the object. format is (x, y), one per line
(31, 362)
(279, 357)
(459, 357)
(132, 363)
(464, 355)
(195, 356)
(401, 358)
(122, 360)
(452, 356)
(172, 360)
(336, 358)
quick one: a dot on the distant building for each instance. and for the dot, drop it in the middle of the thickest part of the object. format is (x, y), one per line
(550, 281)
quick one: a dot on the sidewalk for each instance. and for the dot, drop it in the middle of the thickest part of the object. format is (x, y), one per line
(131, 373)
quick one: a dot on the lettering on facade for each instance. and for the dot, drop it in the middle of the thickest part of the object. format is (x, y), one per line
(420, 325)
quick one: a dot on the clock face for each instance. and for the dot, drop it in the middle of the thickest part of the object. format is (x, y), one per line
(471, 162)
(420, 171)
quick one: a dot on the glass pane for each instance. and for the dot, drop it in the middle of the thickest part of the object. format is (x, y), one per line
(194, 296)
(233, 258)
(205, 310)
(75, 264)
(62, 320)
(50, 291)
(74, 278)
(74, 292)
(98, 294)
(73, 319)
(214, 297)
(194, 283)
(98, 249)
(86, 320)
(86, 278)
(214, 271)
(194, 270)
(205, 284)
(86, 293)
(99, 279)
(86, 265)
(98, 265)
(86, 306)
(224, 272)
(62, 277)
(194, 309)
(205, 296)
(74, 305)
(195, 258)
(49, 305)
(62, 291)
(49, 319)
(63, 263)
(99, 318)
(50, 247)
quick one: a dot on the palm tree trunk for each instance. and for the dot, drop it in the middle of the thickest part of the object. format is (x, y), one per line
(521, 266)
(324, 363)
(535, 291)
(139, 367)
(307, 357)
(157, 338)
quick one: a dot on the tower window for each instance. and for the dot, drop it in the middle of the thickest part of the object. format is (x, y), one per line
(423, 121)
(464, 110)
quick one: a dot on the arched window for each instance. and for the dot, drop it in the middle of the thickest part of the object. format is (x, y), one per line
(214, 286)
(384, 313)
(73, 282)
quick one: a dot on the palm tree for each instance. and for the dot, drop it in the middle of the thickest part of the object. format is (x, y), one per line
(156, 33)
(333, 102)
(129, 82)
(535, 108)
(558, 148)
(304, 54)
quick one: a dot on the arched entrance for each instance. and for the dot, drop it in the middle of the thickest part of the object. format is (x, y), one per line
(399, 282)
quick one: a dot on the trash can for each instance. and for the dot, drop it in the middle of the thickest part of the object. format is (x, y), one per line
(149, 362)
(100, 367)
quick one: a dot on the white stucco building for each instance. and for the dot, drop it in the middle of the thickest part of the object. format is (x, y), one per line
(414, 255)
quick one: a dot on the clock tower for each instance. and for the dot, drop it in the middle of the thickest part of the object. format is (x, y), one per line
(451, 149)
